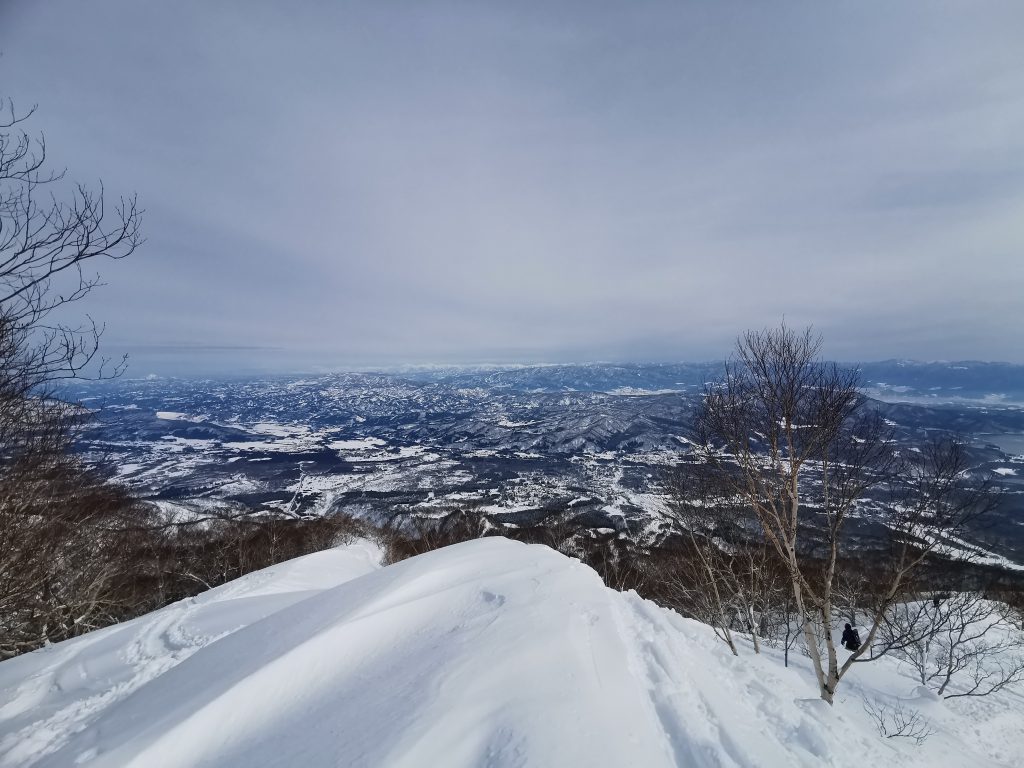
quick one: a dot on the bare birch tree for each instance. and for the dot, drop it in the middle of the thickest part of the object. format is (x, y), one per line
(793, 438)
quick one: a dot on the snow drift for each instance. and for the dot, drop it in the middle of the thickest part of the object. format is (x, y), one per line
(488, 653)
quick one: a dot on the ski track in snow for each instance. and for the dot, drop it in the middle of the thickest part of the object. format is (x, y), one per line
(161, 643)
(697, 709)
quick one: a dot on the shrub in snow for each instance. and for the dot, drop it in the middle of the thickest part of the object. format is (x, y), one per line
(898, 721)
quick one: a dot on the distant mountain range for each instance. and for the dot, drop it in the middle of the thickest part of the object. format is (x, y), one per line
(519, 444)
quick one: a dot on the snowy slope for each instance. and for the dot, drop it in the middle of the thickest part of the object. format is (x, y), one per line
(489, 653)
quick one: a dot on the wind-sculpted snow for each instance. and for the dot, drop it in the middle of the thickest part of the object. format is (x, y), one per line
(488, 653)
(72, 688)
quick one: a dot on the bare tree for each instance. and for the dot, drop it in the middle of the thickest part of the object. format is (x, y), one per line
(898, 721)
(724, 576)
(962, 640)
(64, 548)
(56, 547)
(701, 581)
(407, 535)
(792, 437)
(785, 627)
(46, 244)
(853, 589)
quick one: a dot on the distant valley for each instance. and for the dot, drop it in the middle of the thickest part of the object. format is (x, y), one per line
(590, 442)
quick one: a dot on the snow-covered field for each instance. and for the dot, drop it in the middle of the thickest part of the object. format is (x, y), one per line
(488, 653)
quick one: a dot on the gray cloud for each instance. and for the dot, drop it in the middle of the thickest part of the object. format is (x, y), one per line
(374, 183)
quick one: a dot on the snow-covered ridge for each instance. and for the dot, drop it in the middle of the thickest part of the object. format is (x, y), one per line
(488, 653)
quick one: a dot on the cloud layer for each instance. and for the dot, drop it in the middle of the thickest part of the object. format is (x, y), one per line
(376, 183)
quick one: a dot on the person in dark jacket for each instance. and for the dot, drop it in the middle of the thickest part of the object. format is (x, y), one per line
(851, 640)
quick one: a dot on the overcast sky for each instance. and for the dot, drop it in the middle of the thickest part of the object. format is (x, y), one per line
(331, 184)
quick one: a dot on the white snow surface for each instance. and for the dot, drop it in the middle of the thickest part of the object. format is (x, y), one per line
(488, 653)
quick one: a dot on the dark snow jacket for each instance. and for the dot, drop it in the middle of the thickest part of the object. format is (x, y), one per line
(851, 640)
